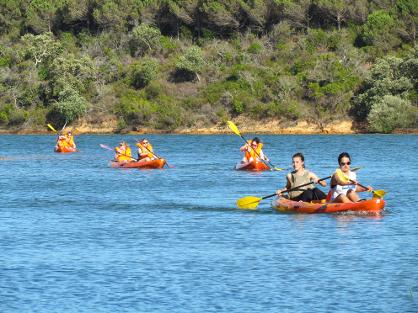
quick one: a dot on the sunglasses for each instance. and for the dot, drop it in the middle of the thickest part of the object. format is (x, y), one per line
(342, 163)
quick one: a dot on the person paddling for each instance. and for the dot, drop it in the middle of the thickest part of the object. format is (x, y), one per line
(145, 150)
(344, 186)
(61, 142)
(301, 176)
(123, 152)
(253, 151)
(70, 139)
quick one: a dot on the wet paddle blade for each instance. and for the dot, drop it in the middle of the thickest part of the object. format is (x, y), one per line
(51, 127)
(105, 147)
(248, 203)
(378, 193)
(233, 127)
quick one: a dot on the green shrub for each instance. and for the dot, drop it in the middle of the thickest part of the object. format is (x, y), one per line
(191, 61)
(391, 112)
(144, 38)
(134, 109)
(255, 48)
(4, 118)
(143, 72)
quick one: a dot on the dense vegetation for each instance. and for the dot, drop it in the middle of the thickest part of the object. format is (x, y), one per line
(167, 64)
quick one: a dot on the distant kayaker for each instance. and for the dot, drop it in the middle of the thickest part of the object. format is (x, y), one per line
(61, 142)
(301, 176)
(145, 150)
(344, 186)
(253, 151)
(70, 139)
(123, 152)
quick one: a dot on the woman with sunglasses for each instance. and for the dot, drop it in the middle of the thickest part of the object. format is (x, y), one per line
(253, 151)
(344, 185)
(301, 176)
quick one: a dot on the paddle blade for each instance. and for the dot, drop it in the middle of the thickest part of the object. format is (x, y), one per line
(51, 127)
(378, 193)
(233, 127)
(248, 203)
(105, 147)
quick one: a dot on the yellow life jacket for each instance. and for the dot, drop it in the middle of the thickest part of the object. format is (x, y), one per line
(148, 150)
(250, 151)
(70, 141)
(123, 154)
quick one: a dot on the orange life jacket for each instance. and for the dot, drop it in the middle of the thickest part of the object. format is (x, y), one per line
(250, 151)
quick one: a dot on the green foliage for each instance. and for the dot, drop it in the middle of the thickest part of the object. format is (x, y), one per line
(42, 48)
(12, 116)
(379, 31)
(191, 61)
(70, 104)
(134, 109)
(144, 38)
(391, 112)
(143, 72)
(385, 78)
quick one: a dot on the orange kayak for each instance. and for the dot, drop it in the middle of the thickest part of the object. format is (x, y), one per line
(65, 149)
(283, 205)
(255, 165)
(158, 163)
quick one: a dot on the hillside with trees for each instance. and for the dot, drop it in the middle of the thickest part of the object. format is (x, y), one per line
(169, 64)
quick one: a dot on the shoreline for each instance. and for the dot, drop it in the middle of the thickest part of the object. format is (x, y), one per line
(271, 127)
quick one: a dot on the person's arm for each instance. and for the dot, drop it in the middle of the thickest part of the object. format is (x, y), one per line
(316, 180)
(288, 185)
(244, 148)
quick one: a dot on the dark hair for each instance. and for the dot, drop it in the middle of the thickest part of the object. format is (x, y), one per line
(343, 155)
(256, 139)
(299, 155)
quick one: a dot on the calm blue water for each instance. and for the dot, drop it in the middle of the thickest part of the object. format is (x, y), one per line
(78, 236)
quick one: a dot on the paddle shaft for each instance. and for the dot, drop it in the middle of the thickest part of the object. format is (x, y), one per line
(294, 188)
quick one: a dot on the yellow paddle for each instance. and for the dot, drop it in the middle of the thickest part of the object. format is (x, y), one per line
(235, 129)
(251, 202)
(376, 193)
(52, 128)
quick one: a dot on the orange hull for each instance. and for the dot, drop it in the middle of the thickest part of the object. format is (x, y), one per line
(288, 206)
(158, 163)
(252, 166)
(65, 149)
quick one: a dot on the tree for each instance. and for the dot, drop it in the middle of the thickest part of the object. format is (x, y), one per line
(145, 38)
(391, 112)
(385, 78)
(43, 48)
(191, 62)
(143, 72)
(41, 14)
(70, 104)
(379, 31)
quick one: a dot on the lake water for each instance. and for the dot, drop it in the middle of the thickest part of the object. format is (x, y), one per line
(79, 236)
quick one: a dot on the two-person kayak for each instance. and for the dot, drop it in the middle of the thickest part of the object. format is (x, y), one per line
(284, 205)
(152, 164)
